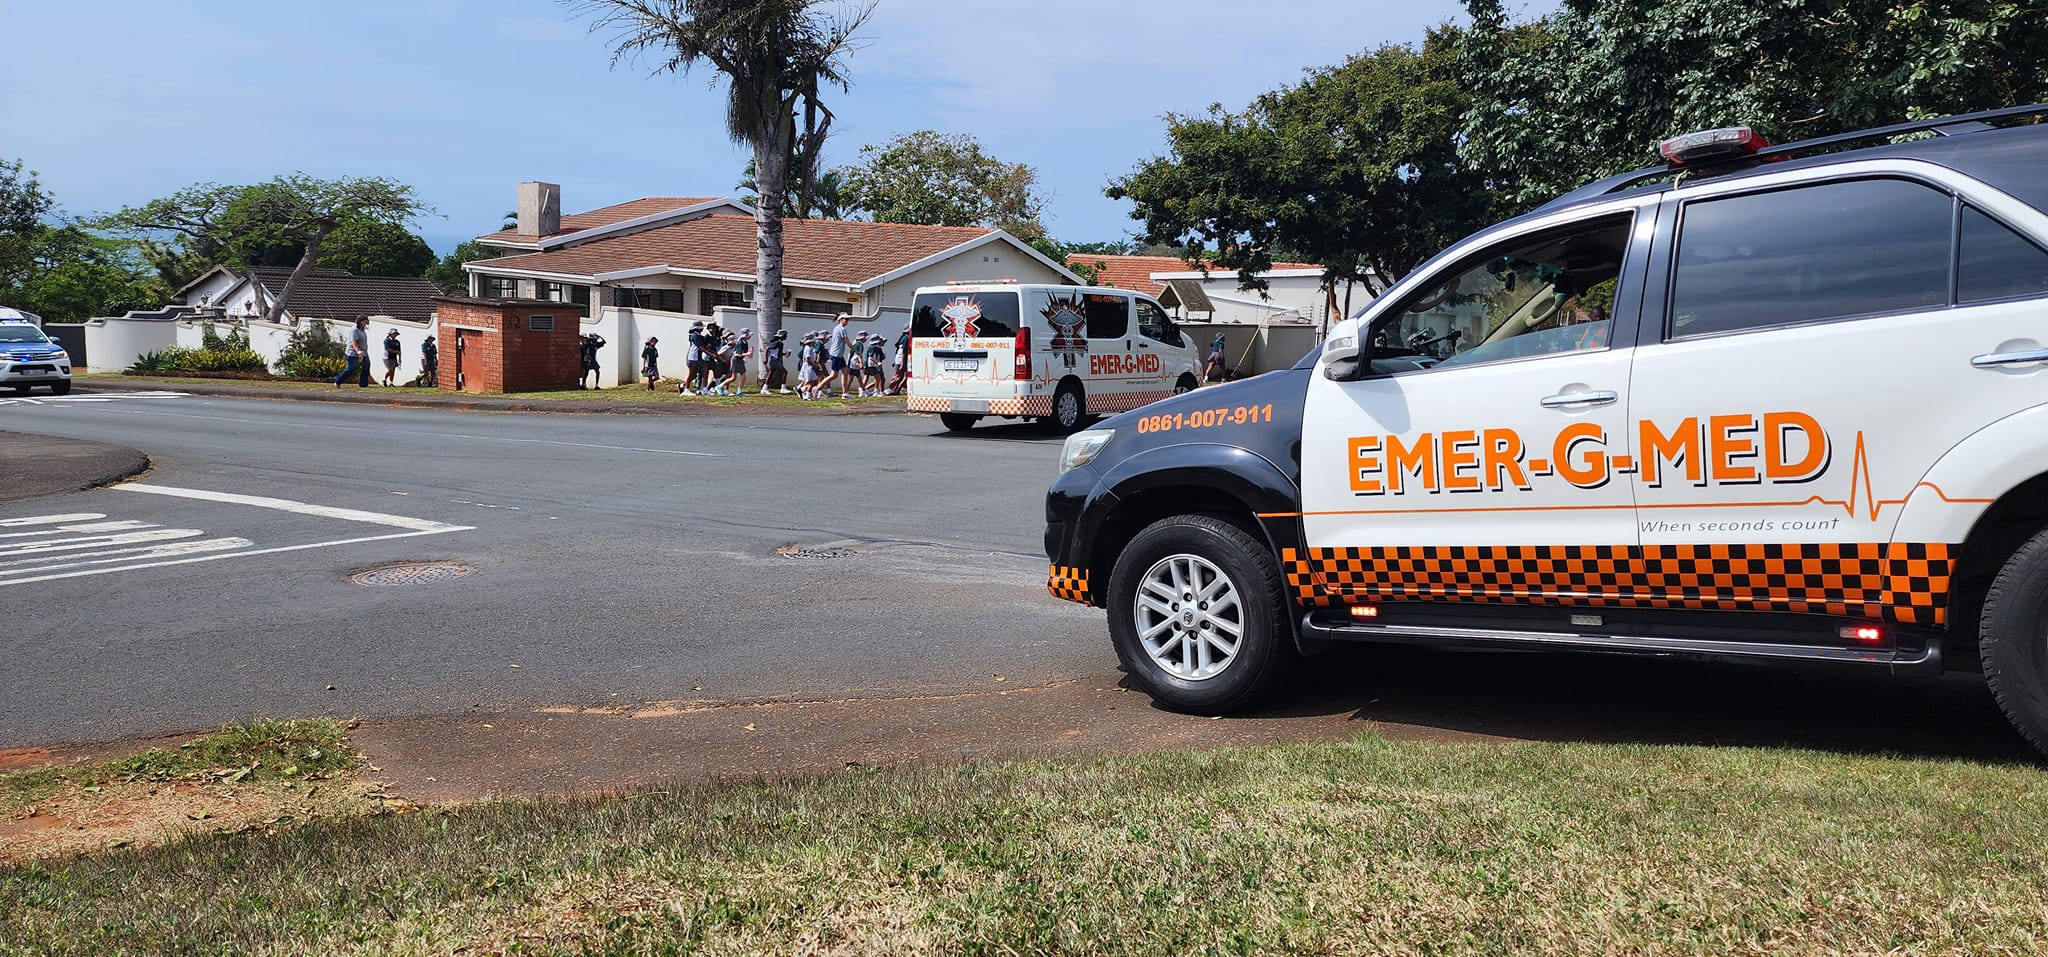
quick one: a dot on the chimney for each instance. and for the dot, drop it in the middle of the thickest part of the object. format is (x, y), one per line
(540, 209)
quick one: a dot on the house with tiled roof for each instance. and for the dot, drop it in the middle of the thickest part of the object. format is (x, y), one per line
(333, 294)
(1295, 292)
(653, 266)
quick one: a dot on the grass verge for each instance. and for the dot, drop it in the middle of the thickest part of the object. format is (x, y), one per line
(664, 393)
(261, 773)
(1370, 846)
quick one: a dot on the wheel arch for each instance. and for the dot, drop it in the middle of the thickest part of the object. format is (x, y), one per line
(1230, 483)
(2011, 520)
(1985, 496)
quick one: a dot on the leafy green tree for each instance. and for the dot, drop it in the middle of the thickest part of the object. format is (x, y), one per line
(778, 58)
(368, 247)
(248, 223)
(1357, 168)
(58, 269)
(447, 272)
(1590, 89)
(945, 179)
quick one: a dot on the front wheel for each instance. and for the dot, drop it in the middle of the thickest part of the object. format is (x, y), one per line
(61, 388)
(958, 421)
(1197, 614)
(2013, 639)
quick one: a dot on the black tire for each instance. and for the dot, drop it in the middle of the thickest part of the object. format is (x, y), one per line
(958, 421)
(1069, 407)
(1265, 651)
(61, 388)
(2013, 640)
(1186, 384)
(18, 389)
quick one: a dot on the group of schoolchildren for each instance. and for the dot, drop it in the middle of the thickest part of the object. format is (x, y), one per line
(829, 364)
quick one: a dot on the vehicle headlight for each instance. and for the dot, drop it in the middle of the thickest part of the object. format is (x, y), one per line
(1083, 447)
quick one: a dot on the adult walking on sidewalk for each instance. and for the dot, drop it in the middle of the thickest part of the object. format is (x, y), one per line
(358, 356)
(588, 351)
(393, 352)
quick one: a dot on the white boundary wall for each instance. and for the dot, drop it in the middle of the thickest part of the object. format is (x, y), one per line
(114, 344)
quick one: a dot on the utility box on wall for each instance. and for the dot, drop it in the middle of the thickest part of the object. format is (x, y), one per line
(508, 345)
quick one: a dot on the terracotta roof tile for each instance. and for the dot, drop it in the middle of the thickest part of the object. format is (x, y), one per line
(577, 222)
(1135, 272)
(814, 250)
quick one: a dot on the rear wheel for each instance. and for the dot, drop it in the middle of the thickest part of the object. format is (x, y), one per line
(1196, 612)
(59, 388)
(958, 421)
(1069, 407)
(2013, 634)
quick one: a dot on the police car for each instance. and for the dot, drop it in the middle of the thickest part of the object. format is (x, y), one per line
(29, 358)
(1776, 403)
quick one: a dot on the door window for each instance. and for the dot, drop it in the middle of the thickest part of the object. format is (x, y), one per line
(1810, 254)
(1997, 263)
(1109, 315)
(1155, 324)
(1533, 296)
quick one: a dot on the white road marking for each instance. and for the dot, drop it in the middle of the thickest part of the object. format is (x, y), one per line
(145, 553)
(12, 549)
(302, 508)
(438, 435)
(97, 397)
(83, 527)
(49, 519)
(215, 558)
(97, 547)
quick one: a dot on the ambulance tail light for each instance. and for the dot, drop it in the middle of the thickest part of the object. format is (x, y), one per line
(1023, 363)
(1708, 145)
(1862, 634)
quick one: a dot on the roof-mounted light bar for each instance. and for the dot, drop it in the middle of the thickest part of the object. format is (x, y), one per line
(1702, 146)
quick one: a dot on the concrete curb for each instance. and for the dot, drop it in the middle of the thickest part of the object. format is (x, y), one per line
(464, 403)
(33, 465)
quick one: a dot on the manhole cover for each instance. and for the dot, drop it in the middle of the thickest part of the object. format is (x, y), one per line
(412, 573)
(815, 551)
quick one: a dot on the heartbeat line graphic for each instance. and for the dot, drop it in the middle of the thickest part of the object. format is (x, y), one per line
(1861, 487)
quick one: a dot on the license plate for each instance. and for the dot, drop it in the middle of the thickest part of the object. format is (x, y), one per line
(31, 372)
(963, 365)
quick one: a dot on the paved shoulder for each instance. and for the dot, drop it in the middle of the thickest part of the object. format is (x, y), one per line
(32, 465)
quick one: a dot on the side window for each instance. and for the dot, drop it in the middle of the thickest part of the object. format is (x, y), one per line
(1531, 296)
(1154, 324)
(1109, 316)
(1997, 263)
(1809, 254)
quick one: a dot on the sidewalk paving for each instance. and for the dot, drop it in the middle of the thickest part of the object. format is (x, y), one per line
(32, 465)
(624, 400)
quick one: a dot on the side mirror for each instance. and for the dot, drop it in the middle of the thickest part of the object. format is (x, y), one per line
(1341, 356)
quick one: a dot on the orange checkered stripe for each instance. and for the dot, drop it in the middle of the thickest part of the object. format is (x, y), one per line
(925, 403)
(1124, 402)
(1902, 582)
(1069, 584)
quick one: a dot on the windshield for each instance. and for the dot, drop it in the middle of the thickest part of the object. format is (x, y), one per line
(21, 333)
(964, 315)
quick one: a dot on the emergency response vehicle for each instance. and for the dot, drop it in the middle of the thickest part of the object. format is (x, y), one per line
(1774, 403)
(1061, 353)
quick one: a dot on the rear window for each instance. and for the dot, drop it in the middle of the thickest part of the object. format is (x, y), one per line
(969, 315)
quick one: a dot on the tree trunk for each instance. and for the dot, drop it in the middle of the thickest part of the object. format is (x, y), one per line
(771, 179)
(276, 312)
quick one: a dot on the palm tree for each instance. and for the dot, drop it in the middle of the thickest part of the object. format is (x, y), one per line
(777, 57)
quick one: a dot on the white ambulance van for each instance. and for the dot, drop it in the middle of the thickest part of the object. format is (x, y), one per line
(1063, 353)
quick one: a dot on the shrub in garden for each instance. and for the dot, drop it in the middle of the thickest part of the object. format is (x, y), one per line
(225, 360)
(165, 360)
(311, 367)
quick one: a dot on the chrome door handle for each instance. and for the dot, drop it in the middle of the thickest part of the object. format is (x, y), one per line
(1990, 359)
(1565, 400)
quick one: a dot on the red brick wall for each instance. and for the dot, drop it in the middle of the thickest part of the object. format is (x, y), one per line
(500, 349)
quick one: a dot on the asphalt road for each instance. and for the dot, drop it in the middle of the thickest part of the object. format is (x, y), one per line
(622, 565)
(616, 558)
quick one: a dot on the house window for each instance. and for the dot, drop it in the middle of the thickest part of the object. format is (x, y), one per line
(821, 306)
(563, 292)
(710, 299)
(666, 300)
(501, 287)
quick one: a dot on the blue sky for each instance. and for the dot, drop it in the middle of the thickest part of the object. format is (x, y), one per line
(115, 103)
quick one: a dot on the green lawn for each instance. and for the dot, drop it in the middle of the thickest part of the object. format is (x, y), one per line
(663, 393)
(1367, 847)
